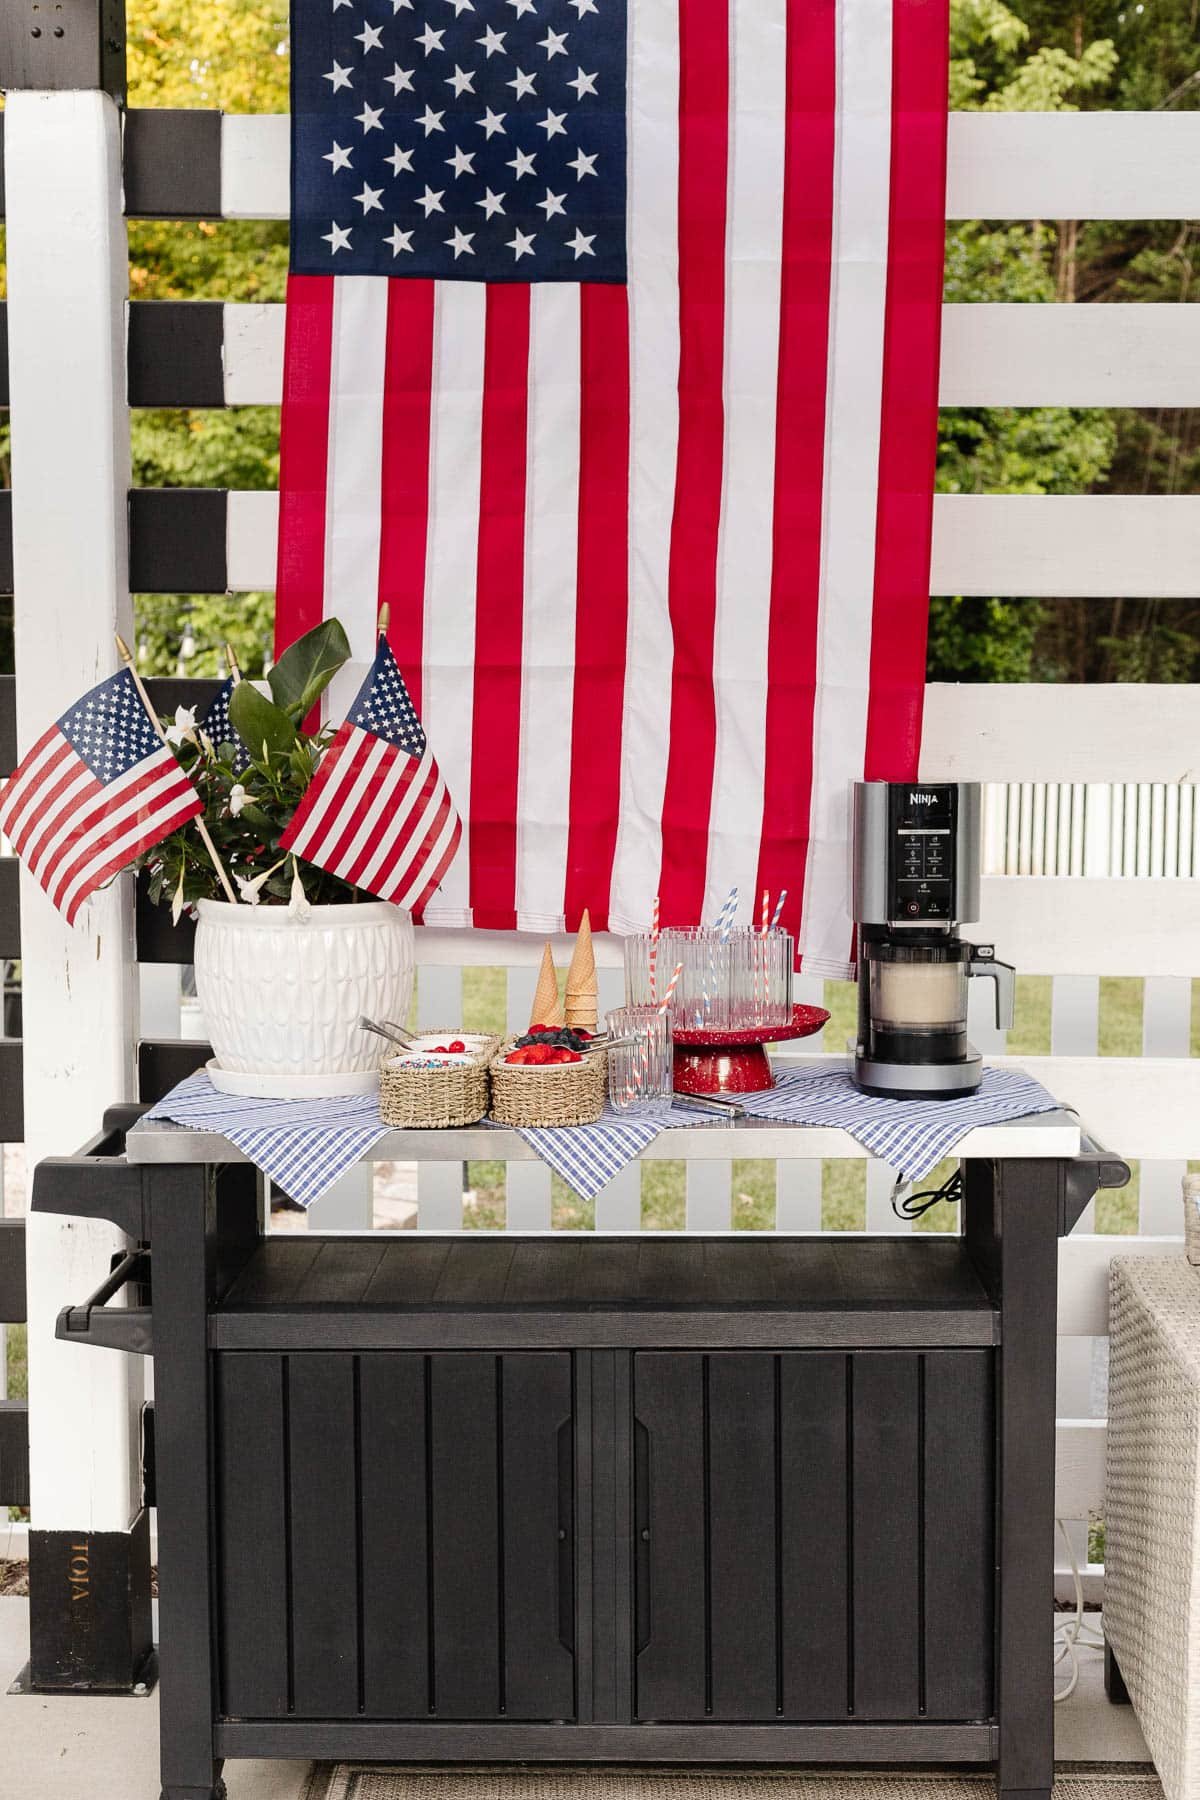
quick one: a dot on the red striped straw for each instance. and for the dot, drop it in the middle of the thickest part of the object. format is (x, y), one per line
(654, 930)
(766, 907)
(670, 989)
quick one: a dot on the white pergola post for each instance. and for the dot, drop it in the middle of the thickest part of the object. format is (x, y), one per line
(67, 284)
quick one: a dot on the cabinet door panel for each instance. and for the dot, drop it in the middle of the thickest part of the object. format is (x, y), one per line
(812, 1535)
(395, 1535)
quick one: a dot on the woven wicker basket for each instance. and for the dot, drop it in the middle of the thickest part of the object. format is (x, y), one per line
(552, 1094)
(1191, 1218)
(434, 1099)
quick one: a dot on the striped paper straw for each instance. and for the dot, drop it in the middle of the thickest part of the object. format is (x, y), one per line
(778, 908)
(766, 907)
(654, 931)
(724, 921)
(670, 989)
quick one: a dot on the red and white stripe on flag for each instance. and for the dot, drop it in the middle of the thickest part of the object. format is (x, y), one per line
(657, 556)
(377, 812)
(95, 791)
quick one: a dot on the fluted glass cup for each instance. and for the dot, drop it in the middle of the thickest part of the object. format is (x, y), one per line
(639, 1074)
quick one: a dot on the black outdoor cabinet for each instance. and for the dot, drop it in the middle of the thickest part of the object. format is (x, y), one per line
(717, 1499)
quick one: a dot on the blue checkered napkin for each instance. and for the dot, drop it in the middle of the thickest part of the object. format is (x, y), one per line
(303, 1145)
(589, 1156)
(912, 1135)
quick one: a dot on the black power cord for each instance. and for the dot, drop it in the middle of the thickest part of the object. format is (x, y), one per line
(911, 1206)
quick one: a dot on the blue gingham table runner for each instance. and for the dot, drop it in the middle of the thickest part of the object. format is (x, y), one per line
(305, 1145)
(911, 1135)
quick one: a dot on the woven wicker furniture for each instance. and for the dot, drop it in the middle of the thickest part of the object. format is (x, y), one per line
(1152, 1509)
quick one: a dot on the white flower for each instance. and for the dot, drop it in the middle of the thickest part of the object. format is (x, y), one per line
(237, 798)
(298, 906)
(177, 900)
(185, 724)
(248, 890)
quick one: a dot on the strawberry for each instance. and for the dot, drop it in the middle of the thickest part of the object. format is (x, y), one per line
(541, 1028)
(517, 1056)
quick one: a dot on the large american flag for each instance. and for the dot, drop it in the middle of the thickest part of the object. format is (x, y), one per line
(377, 811)
(612, 367)
(96, 789)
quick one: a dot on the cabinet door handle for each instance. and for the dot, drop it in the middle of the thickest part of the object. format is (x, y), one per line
(643, 1626)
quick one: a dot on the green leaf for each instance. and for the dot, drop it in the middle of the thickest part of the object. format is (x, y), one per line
(257, 721)
(307, 667)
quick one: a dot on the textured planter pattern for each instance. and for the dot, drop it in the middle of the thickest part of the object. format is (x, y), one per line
(283, 996)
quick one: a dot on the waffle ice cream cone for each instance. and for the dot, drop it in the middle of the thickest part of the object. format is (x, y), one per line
(547, 1008)
(581, 980)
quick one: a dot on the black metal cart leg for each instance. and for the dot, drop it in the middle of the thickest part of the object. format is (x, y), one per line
(183, 1240)
(1114, 1681)
(1012, 1230)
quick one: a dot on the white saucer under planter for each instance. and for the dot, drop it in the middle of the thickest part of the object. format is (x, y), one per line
(291, 1087)
(282, 994)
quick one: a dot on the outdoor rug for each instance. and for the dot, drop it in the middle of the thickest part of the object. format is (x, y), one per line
(362, 1781)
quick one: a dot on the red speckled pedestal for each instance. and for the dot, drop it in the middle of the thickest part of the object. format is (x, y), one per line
(736, 1062)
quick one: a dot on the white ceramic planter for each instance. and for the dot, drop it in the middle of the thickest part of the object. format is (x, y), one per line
(282, 996)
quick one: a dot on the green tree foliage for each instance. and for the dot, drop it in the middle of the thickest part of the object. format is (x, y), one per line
(1041, 55)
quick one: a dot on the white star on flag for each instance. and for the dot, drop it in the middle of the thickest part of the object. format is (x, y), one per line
(370, 37)
(462, 81)
(583, 6)
(583, 84)
(460, 243)
(491, 203)
(337, 158)
(429, 39)
(340, 77)
(400, 78)
(553, 203)
(337, 237)
(522, 244)
(493, 42)
(462, 162)
(524, 163)
(400, 160)
(430, 201)
(493, 122)
(522, 83)
(399, 240)
(581, 245)
(522, 7)
(583, 165)
(368, 199)
(553, 125)
(553, 43)
(432, 121)
(369, 118)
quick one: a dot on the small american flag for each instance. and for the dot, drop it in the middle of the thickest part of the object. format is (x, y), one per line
(377, 813)
(96, 790)
(218, 728)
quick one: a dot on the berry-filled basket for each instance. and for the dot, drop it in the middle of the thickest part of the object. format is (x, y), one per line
(550, 1092)
(435, 1084)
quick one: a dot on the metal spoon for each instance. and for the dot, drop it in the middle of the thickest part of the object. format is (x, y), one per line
(384, 1031)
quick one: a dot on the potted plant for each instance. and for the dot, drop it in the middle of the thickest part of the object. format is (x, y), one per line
(283, 974)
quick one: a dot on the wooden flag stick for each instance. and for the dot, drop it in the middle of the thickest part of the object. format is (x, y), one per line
(232, 660)
(385, 613)
(124, 652)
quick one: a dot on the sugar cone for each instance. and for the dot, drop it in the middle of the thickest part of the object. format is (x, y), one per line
(547, 1009)
(581, 979)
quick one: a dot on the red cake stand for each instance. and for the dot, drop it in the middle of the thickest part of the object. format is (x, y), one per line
(736, 1062)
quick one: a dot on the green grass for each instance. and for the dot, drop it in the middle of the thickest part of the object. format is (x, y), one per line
(843, 1184)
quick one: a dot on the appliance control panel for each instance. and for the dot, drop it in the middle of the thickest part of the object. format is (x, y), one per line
(922, 825)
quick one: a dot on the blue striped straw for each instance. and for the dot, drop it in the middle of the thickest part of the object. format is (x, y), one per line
(778, 908)
(724, 922)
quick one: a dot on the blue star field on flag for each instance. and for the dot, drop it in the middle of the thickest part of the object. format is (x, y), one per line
(217, 726)
(471, 140)
(110, 728)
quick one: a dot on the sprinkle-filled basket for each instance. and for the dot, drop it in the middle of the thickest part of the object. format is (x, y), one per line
(420, 1090)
